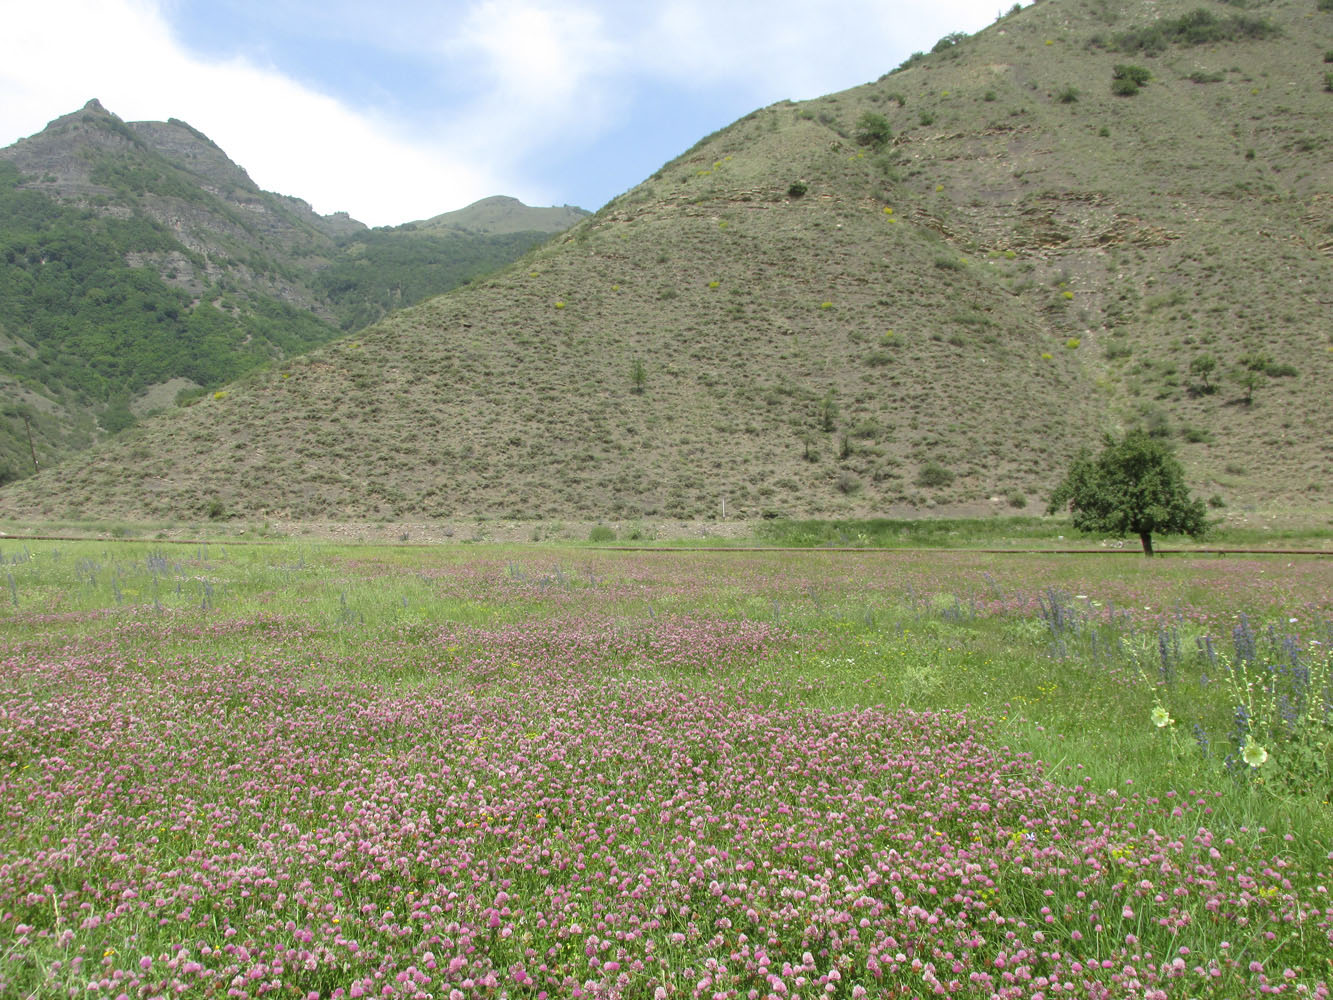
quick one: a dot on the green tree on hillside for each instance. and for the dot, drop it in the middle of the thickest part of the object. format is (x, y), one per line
(1203, 366)
(873, 130)
(1135, 486)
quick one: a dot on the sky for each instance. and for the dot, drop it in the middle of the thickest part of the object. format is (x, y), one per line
(399, 110)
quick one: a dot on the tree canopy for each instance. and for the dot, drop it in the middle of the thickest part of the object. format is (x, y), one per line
(1135, 486)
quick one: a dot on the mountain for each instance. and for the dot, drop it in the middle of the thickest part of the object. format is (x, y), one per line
(142, 262)
(925, 292)
(379, 270)
(501, 214)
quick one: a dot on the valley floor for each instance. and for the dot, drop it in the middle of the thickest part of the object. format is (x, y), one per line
(302, 768)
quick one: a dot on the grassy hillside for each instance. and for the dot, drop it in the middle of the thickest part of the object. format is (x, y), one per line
(380, 270)
(139, 261)
(501, 214)
(926, 291)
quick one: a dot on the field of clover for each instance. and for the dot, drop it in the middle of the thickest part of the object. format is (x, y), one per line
(311, 771)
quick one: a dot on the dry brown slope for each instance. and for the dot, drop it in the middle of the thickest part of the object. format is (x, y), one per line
(1048, 271)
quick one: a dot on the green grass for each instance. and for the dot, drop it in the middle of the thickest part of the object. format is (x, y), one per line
(935, 532)
(1015, 532)
(335, 648)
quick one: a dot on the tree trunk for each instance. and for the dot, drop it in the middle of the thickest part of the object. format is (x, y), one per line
(1146, 538)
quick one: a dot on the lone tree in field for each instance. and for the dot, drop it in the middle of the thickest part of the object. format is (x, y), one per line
(1135, 486)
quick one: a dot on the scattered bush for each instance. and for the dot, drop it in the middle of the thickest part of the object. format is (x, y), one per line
(926, 118)
(828, 413)
(948, 41)
(1328, 82)
(1196, 435)
(601, 533)
(797, 189)
(1017, 500)
(1127, 79)
(1068, 96)
(1199, 27)
(934, 475)
(873, 130)
(1216, 502)
(848, 483)
(910, 61)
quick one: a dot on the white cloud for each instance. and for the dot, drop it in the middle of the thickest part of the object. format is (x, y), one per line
(290, 138)
(511, 83)
(791, 49)
(548, 73)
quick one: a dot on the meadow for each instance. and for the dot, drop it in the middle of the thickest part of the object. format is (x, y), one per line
(309, 770)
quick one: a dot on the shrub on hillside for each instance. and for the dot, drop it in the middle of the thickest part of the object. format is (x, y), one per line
(934, 475)
(948, 41)
(828, 413)
(1198, 27)
(1127, 79)
(848, 483)
(910, 61)
(873, 130)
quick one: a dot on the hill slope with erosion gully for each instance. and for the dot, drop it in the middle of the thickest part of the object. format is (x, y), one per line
(800, 319)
